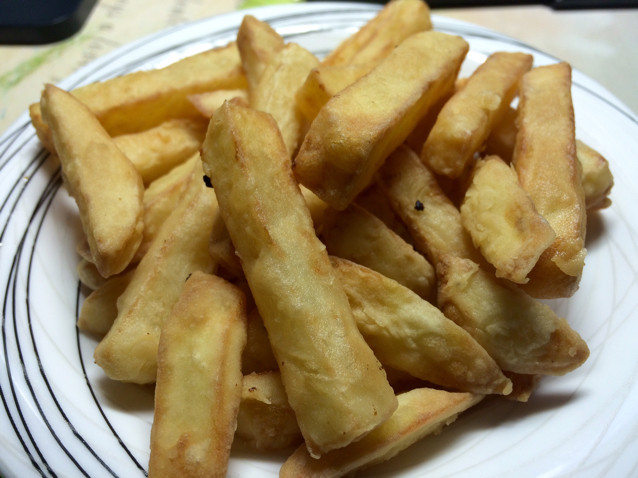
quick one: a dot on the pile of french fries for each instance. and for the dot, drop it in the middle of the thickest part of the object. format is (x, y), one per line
(335, 254)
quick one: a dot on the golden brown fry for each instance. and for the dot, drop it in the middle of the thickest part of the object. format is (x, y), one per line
(410, 334)
(266, 421)
(160, 198)
(157, 150)
(323, 82)
(359, 236)
(432, 219)
(206, 103)
(421, 412)
(334, 383)
(522, 334)
(199, 380)
(258, 43)
(524, 386)
(374, 200)
(41, 128)
(503, 222)
(277, 87)
(356, 130)
(88, 273)
(99, 309)
(104, 183)
(596, 175)
(546, 164)
(129, 351)
(143, 99)
(502, 138)
(378, 37)
(258, 356)
(465, 121)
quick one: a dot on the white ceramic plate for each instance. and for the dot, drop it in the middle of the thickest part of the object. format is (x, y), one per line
(59, 416)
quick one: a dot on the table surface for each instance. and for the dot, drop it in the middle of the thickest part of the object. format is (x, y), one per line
(600, 43)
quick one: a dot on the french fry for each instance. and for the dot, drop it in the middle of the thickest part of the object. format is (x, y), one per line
(157, 150)
(129, 351)
(258, 43)
(359, 236)
(523, 385)
(502, 138)
(432, 219)
(596, 175)
(503, 222)
(265, 421)
(143, 99)
(465, 121)
(206, 103)
(88, 274)
(104, 183)
(356, 130)
(546, 164)
(421, 412)
(160, 198)
(378, 37)
(410, 334)
(334, 383)
(223, 249)
(258, 356)
(199, 380)
(323, 82)
(277, 87)
(522, 334)
(99, 309)
(374, 200)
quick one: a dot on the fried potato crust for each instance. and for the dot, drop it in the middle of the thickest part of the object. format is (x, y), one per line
(335, 385)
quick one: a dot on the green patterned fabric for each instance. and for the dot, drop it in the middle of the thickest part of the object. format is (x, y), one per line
(261, 3)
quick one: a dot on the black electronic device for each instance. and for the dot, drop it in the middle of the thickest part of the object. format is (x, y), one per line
(32, 22)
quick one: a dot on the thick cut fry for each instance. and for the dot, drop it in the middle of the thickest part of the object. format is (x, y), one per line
(546, 164)
(99, 309)
(265, 420)
(155, 151)
(129, 351)
(334, 383)
(410, 334)
(375, 201)
(143, 99)
(421, 412)
(523, 386)
(522, 334)
(378, 37)
(465, 121)
(258, 356)
(359, 236)
(104, 183)
(88, 273)
(502, 138)
(160, 199)
(432, 219)
(277, 87)
(503, 222)
(323, 82)
(199, 380)
(206, 103)
(356, 130)
(597, 177)
(258, 43)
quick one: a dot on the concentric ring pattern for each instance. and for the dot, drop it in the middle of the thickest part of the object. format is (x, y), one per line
(59, 416)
